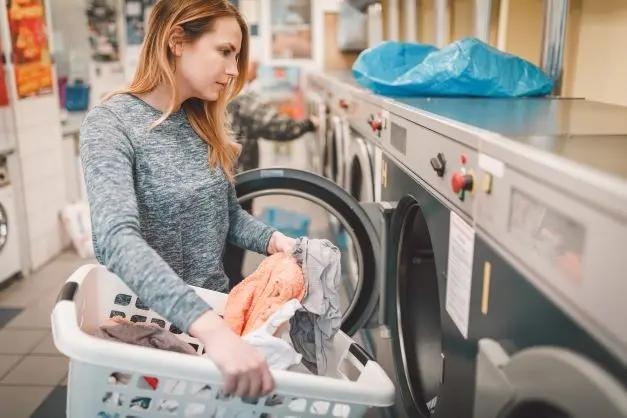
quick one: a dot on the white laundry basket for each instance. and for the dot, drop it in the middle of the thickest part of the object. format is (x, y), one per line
(109, 379)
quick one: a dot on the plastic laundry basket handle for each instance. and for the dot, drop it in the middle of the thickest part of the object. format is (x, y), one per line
(360, 354)
(67, 291)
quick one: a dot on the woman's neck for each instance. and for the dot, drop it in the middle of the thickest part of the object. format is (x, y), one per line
(160, 98)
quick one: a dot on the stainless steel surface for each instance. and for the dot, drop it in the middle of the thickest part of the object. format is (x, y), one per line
(562, 230)
(414, 146)
(552, 61)
(571, 157)
(589, 133)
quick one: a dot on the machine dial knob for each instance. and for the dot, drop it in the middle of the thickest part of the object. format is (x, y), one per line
(439, 164)
(462, 182)
(376, 123)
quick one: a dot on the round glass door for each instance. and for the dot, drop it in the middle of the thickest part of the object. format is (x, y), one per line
(300, 203)
(415, 312)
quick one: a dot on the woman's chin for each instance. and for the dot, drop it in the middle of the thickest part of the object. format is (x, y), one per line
(209, 96)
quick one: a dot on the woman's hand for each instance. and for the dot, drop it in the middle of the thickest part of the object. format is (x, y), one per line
(245, 371)
(280, 243)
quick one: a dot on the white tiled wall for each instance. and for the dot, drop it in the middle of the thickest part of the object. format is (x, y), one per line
(7, 129)
(42, 170)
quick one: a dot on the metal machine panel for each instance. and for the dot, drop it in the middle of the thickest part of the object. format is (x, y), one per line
(570, 246)
(526, 117)
(370, 120)
(421, 150)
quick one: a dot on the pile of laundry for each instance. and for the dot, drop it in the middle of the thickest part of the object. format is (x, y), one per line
(288, 309)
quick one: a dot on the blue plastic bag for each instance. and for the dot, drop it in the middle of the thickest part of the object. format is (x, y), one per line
(467, 67)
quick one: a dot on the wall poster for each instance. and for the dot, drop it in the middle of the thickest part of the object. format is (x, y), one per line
(30, 50)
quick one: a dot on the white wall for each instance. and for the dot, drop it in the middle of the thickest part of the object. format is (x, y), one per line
(598, 67)
(37, 169)
(69, 23)
(40, 154)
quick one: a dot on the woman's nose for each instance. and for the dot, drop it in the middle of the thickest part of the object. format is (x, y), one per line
(231, 69)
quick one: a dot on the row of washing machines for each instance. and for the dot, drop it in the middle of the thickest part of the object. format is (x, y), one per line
(489, 241)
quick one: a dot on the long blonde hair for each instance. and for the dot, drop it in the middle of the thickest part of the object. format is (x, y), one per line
(157, 64)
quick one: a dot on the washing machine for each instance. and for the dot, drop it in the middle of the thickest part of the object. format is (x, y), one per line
(401, 245)
(363, 157)
(429, 358)
(9, 233)
(361, 143)
(551, 229)
(316, 107)
(360, 167)
(505, 257)
(336, 125)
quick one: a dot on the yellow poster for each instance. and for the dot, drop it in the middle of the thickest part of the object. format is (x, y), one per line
(30, 50)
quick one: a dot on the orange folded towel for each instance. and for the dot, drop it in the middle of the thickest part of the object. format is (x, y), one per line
(277, 280)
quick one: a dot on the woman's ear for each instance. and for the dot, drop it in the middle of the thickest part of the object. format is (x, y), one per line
(175, 42)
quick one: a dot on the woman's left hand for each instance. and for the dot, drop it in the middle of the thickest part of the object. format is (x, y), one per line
(280, 243)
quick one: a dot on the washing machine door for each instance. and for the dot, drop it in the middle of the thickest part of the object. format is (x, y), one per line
(543, 382)
(334, 153)
(316, 143)
(4, 228)
(413, 303)
(276, 184)
(359, 173)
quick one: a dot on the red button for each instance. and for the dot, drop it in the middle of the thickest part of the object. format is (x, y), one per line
(375, 125)
(457, 181)
(461, 182)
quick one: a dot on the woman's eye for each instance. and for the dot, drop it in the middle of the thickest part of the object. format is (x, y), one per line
(226, 52)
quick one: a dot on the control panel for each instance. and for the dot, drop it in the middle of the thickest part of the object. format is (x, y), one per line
(446, 166)
(570, 247)
(370, 120)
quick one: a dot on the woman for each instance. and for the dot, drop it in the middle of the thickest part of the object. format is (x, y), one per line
(158, 167)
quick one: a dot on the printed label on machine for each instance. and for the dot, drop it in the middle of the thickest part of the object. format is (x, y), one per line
(460, 251)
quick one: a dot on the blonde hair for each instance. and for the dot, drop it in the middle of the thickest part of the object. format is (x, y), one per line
(157, 64)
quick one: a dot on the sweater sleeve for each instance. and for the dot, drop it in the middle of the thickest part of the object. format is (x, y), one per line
(107, 155)
(245, 231)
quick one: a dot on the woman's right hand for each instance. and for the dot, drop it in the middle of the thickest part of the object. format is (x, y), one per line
(245, 371)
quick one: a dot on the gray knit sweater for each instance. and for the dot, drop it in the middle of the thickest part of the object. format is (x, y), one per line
(160, 215)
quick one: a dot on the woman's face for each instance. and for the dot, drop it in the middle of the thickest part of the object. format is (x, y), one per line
(205, 66)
